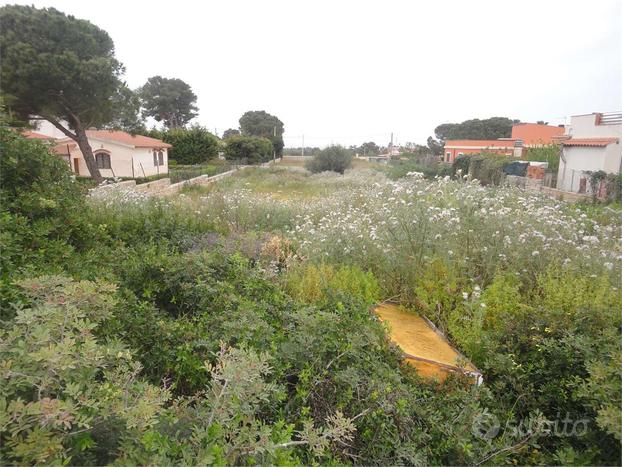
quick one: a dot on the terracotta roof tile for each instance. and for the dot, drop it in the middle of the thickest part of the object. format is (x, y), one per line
(34, 135)
(122, 137)
(590, 142)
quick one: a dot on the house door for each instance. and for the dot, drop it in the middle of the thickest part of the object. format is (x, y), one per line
(76, 166)
(582, 185)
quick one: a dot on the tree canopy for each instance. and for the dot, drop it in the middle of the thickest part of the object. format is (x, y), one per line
(490, 128)
(333, 158)
(262, 124)
(230, 132)
(194, 145)
(62, 69)
(248, 149)
(168, 100)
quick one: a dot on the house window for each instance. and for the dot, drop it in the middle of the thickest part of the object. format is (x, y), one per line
(103, 160)
(158, 158)
(447, 156)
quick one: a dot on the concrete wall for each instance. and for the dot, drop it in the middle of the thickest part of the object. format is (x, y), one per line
(563, 195)
(579, 160)
(154, 186)
(584, 126)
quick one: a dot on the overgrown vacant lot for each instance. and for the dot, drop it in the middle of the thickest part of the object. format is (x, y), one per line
(231, 324)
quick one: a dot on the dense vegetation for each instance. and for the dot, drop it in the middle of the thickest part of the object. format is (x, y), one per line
(333, 159)
(248, 149)
(194, 145)
(260, 124)
(232, 325)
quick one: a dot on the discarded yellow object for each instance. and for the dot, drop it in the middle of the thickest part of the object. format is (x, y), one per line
(423, 345)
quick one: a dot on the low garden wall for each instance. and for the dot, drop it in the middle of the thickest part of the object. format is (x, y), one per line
(156, 185)
(564, 195)
(163, 186)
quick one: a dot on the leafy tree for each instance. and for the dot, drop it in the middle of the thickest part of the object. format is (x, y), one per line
(333, 158)
(61, 69)
(435, 146)
(248, 149)
(262, 124)
(369, 149)
(169, 100)
(490, 128)
(127, 115)
(194, 145)
(230, 132)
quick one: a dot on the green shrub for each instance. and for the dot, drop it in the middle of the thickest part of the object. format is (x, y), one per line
(548, 153)
(194, 145)
(61, 387)
(429, 169)
(248, 149)
(41, 211)
(334, 158)
(485, 167)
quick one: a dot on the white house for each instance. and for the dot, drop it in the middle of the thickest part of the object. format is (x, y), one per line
(591, 143)
(118, 154)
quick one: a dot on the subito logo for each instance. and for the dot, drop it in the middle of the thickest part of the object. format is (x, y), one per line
(485, 426)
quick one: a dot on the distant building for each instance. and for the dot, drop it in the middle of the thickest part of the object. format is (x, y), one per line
(592, 143)
(117, 153)
(524, 136)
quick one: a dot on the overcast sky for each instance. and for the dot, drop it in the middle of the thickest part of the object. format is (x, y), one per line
(347, 72)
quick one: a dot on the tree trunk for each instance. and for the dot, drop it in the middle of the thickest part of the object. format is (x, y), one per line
(87, 153)
(83, 143)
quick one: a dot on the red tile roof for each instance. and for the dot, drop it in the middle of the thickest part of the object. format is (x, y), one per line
(533, 133)
(34, 135)
(592, 142)
(122, 137)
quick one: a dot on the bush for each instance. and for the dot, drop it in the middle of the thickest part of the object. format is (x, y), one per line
(429, 168)
(334, 158)
(41, 210)
(487, 168)
(61, 386)
(548, 153)
(194, 145)
(248, 149)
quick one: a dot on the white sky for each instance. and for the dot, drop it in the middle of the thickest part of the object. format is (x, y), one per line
(353, 71)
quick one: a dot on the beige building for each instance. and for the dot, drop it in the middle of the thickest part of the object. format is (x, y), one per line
(117, 154)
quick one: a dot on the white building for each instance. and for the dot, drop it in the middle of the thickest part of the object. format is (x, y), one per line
(592, 143)
(117, 153)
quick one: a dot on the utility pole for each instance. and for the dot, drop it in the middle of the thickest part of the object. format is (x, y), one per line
(303, 146)
(274, 148)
